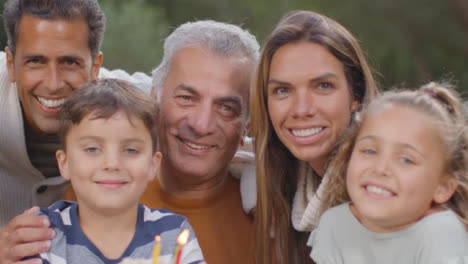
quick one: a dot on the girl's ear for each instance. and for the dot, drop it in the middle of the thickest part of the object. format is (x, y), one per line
(446, 189)
(62, 163)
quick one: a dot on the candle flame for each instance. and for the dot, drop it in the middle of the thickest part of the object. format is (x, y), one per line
(183, 237)
(157, 238)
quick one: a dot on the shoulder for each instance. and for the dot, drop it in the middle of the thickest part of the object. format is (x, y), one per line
(444, 235)
(336, 213)
(441, 223)
(139, 79)
(242, 167)
(2, 59)
(59, 213)
(331, 220)
(3, 68)
(161, 220)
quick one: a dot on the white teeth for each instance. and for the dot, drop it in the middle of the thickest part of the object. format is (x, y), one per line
(378, 191)
(306, 132)
(195, 146)
(51, 103)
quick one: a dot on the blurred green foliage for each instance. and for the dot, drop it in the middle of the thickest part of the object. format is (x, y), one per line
(407, 42)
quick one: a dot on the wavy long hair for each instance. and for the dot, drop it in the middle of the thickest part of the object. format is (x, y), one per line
(277, 168)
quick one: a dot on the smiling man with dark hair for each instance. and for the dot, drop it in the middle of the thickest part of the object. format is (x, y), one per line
(53, 48)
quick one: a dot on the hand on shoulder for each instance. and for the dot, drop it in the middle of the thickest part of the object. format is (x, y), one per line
(25, 235)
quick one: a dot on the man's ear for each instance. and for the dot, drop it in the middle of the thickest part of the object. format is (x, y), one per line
(97, 62)
(244, 133)
(446, 189)
(10, 64)
(62, 164)
(156, 165)
(354, 105)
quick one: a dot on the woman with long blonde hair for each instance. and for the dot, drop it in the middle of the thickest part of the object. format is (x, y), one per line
(311, 77)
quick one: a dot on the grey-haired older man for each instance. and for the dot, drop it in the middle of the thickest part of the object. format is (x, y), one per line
(202, 85)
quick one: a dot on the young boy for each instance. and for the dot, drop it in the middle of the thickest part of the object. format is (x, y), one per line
(109, 155)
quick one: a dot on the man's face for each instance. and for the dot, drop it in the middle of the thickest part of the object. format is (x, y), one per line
(52, 59)
(203, 111)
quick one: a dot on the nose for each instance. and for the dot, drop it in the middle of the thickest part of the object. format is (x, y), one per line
(303, 104)
(202, 121)
(381, 165)
(111, 161)
(53, 79)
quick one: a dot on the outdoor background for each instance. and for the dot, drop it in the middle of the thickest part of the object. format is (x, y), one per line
(407, 42)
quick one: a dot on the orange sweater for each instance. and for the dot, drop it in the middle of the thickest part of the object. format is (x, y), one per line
(224, 231)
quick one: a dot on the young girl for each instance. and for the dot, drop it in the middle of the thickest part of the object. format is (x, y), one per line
(406, 178)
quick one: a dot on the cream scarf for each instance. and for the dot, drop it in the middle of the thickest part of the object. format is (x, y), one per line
(307, 203)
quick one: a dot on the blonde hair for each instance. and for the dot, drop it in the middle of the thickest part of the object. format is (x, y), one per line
(277, 168)
(441, 103)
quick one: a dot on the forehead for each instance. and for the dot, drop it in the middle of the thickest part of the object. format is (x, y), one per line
(92, 123)
(57, 36)
(402, 124)
(211, 75)
(303, 60)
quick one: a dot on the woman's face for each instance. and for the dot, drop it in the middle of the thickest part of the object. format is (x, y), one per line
(309, 101)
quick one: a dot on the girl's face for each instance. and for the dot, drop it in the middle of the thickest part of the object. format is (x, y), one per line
(397, 169)
(309, 101)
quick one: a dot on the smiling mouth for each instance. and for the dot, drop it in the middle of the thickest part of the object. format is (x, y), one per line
(194, 145)
(50, 103)
(378, 191)
(306, 132)
(111, 184)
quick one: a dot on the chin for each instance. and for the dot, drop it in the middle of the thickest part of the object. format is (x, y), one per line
(195, 172)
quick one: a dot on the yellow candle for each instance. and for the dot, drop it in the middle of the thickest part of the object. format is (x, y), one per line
(156, 249)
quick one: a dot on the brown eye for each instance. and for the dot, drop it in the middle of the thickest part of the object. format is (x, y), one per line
(325, 86)
(281, 90)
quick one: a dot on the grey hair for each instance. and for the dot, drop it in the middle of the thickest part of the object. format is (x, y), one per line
(220, 38)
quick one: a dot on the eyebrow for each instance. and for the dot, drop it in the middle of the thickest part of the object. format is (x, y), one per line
(188, 89)
(327, 75)
(229, 99)
(95, 138)
(39, 56)
(33, 56)
(274, 81)
(405, 145)
(71, 57)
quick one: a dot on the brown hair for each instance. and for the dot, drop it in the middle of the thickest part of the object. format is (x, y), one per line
(103, 98)
(441, 103)
(277, 168)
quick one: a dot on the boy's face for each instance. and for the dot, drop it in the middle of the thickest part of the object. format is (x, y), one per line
(109, 162)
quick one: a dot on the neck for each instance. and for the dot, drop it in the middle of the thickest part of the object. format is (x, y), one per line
(100, 230)
(183, 185)
(319, 167)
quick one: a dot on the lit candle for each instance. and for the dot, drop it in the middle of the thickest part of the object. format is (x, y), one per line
(156, 249)
(181, 241)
